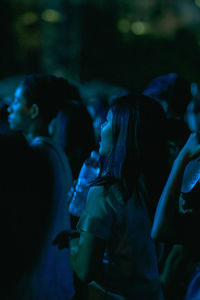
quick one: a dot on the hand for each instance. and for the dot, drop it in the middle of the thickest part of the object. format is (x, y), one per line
(192, 147)
(62, 240)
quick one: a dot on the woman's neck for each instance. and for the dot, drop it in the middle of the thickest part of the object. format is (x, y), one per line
(36, 129)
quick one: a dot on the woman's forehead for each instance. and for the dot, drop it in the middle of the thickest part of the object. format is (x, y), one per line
(18, 92)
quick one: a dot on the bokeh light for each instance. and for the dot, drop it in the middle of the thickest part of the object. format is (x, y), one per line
(52, 16)
(124, 25)
(29, 18)
(139, 28)
(197, 2)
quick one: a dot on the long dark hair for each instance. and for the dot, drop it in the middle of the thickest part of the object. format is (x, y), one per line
(138, 160)
(77, 134)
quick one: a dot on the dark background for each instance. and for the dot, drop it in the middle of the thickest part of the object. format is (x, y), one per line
(120, 42)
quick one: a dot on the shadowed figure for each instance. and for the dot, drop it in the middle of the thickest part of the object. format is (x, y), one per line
(36, 102)
(26, 197)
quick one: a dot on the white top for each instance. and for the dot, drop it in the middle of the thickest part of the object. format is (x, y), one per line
(130, 262)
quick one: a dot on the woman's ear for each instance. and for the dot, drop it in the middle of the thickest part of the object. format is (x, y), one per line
(34, 111)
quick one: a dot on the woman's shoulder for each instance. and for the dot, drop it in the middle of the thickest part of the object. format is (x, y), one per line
(110, 195)
(96, 190)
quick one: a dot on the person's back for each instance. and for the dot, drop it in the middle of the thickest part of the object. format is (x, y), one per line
(24, 198)
(51, 277)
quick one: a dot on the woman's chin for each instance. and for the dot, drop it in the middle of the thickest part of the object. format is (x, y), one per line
(104, 151)
(100, 150)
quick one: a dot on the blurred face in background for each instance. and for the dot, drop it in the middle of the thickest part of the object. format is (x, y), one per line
(19, 117)
(106, 142)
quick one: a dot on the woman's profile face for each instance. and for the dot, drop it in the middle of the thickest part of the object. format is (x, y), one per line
(19, 113)
(106, 142)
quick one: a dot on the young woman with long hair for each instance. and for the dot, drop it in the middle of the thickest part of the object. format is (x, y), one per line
(115, 252)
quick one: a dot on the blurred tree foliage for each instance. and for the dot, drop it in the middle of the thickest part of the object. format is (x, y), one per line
(85, 43)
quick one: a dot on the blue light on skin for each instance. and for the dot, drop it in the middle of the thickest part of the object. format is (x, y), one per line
(26, 118)
(106, 135)
(19, 113)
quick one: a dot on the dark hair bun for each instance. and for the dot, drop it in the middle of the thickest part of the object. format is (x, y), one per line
(49, 93)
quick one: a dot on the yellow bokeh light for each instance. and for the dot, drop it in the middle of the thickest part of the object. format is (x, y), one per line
(197, 2)
(51, 16)
(139, 27)
(124, 25)
(29, 18)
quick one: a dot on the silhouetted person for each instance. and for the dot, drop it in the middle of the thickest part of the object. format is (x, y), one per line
(36, 102)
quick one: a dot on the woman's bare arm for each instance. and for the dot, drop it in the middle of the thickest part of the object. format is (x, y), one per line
(86, 255)
(167, 209)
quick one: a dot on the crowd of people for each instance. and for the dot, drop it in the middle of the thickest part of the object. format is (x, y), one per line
(100, 202)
